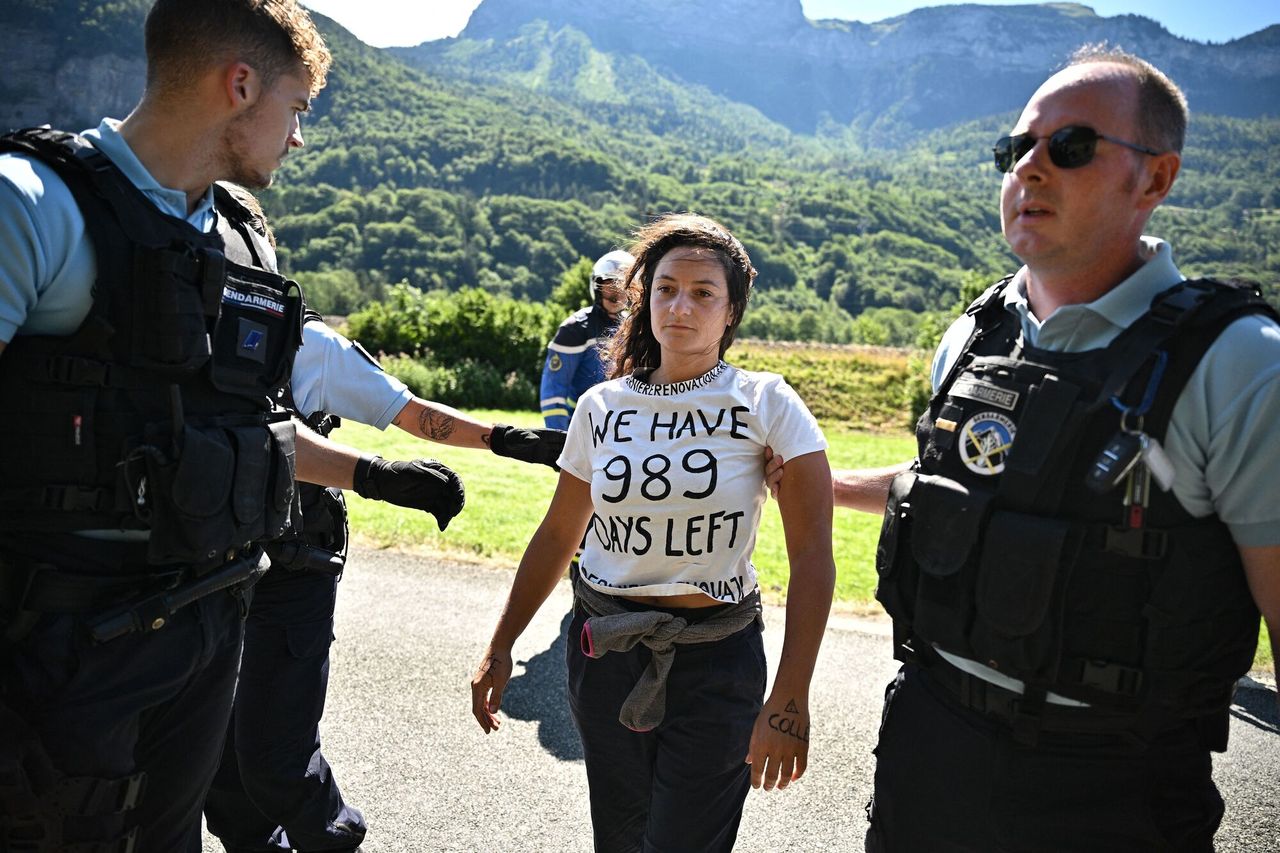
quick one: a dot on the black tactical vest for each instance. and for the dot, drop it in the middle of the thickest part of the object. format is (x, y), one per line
(155, 413)
(994, 549)
(320, 544)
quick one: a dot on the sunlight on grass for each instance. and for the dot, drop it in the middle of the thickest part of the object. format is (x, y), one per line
(506, 501)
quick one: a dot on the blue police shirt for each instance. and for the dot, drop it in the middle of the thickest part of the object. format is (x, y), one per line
(47, 263)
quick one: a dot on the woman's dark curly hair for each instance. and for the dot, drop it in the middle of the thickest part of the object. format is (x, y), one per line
(634, 347)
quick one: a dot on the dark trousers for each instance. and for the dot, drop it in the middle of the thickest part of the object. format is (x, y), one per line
(681, 786)
(154, 703)
(274, 789)
(951, 779)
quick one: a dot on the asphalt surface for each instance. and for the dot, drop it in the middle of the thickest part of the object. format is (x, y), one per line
(405, 749)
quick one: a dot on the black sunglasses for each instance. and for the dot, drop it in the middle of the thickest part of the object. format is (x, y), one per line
(1069, 148)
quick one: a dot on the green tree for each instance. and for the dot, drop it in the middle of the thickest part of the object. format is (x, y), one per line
(574, 290)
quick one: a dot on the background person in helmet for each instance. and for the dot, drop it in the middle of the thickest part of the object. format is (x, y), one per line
(573, 357)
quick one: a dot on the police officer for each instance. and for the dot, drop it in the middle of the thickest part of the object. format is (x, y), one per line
(274, 789)
(573, 357)
(1076, 559)
(142, 462)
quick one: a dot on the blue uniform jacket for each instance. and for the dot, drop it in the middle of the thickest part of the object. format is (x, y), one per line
(573, 363)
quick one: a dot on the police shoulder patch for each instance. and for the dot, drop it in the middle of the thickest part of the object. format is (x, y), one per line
(984, 443)
(554, 363)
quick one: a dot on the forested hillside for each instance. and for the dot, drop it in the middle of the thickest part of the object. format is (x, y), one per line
(493, 181)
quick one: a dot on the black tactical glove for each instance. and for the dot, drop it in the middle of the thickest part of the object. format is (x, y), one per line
(423, 484)
(528, 445)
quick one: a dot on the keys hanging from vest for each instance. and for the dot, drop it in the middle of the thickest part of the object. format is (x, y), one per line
(1126, 449)
(1155, 460)
(1116, 460)
(1137, 493)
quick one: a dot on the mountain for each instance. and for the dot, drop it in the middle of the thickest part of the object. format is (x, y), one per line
(69, 61)
(923, 70)
(506, 168)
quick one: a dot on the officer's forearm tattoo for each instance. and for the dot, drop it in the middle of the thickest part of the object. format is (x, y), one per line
(788, 723)
(436, 426)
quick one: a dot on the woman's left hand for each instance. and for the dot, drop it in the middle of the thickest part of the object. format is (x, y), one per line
(779, 750)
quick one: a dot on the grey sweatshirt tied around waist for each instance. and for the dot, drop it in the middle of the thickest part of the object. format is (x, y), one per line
(610, 627)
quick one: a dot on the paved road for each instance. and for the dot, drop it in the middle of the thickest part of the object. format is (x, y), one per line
(400, 735)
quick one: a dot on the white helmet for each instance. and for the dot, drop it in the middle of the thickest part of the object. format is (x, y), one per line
(611, 267)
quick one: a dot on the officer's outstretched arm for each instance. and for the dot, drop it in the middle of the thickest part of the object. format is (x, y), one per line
(323, 461)
(1262, 569)
(438, 422)
(865, 489)
(423, 484)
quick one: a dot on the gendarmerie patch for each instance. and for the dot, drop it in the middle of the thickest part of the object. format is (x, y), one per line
(253, 340)
(984, 443)
(256, 301)
(982, 392)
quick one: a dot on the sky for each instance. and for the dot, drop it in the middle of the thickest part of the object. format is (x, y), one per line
(408, 22)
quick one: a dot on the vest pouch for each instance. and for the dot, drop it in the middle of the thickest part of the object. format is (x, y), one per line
(228, 487)
(1025, 560)
(188, 499)
(324, 517)
(322, 544)
(259, 329)
(895, 587)
(946, 519)
(170, 335)
(283, 507)
(253, 463)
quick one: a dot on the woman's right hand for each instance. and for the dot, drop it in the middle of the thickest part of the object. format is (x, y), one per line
(487, 685)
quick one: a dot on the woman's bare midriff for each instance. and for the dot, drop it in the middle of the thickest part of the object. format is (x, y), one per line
(688, 599)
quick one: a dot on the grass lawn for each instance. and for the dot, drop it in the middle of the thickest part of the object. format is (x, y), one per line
(506, 501)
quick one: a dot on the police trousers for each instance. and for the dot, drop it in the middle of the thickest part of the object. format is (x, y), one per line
(681, 786)
(951, 779)
(155, 703)
(274, 789)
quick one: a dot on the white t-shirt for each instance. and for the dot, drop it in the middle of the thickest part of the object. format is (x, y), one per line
(677, 478)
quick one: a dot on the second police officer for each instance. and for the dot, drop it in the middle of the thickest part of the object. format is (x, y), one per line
(573, 357)
(274, 789)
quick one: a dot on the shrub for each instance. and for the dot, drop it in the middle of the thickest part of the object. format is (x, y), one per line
(466, 385)
(471, 325)
(396, 325)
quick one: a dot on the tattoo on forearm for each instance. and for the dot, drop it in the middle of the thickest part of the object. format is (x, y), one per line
(435, 425)
(790, 725)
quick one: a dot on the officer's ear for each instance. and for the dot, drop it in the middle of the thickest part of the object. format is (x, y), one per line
(1160, 172)
(242, 84)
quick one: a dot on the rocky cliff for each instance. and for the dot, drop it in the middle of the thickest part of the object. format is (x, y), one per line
(926, 69)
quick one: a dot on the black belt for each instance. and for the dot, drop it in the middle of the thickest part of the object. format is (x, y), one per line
(1024, 714)
(48, 589)
(116, 604)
